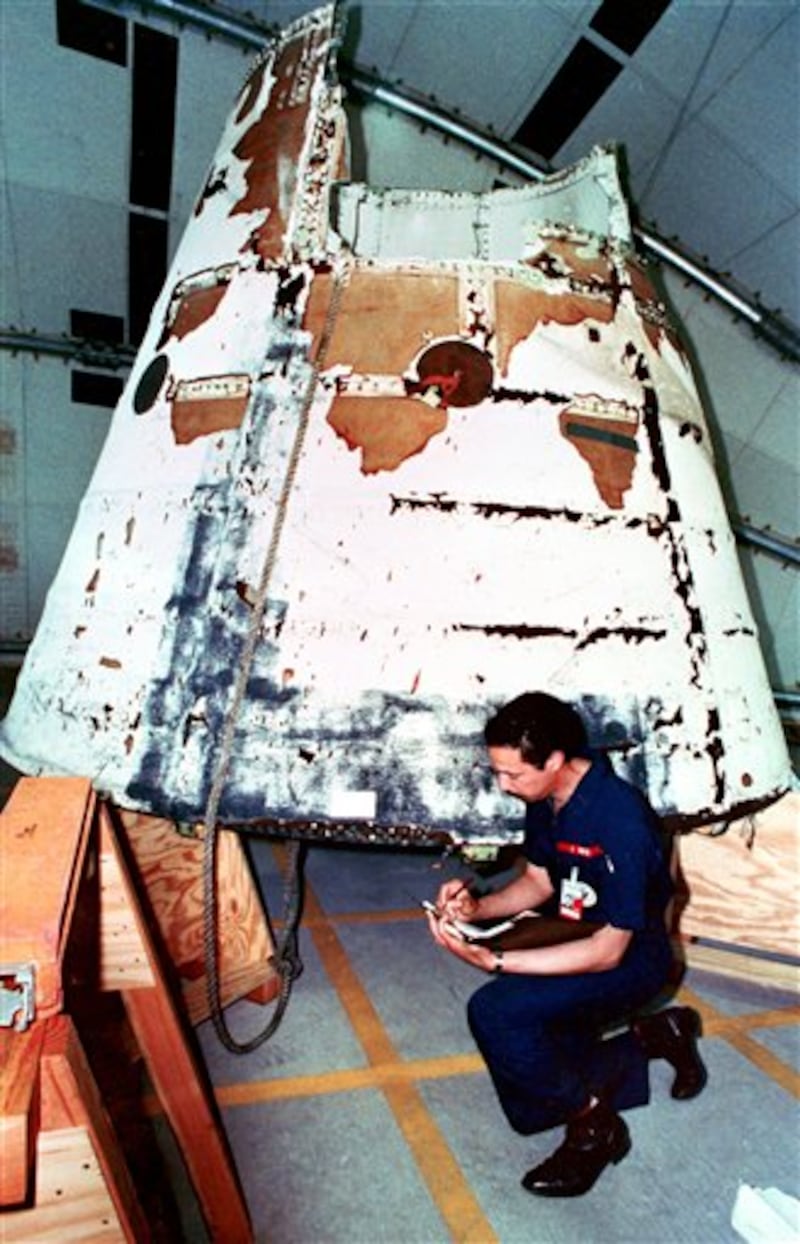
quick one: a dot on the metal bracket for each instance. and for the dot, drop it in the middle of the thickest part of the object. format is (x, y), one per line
(17, 995)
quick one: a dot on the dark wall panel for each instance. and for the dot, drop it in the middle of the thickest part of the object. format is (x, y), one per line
(155, 78)
(95, 326)
(94, 389)
(584, 76)
(147, 270)
(84, 29)
(626, 24)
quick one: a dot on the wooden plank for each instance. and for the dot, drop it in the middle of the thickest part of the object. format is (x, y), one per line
(71, 1100)
(72, 1200)
(170, 865)
(741, 887)
(44, 834)
(20, 1054)
(180, 1079)
(124, 962)
(752, 967)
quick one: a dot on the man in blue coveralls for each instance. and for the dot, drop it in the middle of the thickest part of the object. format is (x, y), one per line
(592, 852)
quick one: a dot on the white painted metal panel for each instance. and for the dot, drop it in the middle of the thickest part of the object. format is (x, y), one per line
(386, 459)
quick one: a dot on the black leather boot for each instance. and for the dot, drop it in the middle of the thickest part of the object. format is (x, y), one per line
(594, 1138)
(672, 1034)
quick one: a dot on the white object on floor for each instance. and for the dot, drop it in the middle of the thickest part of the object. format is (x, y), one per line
(766, 1215)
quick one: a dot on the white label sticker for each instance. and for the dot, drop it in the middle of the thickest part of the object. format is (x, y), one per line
(353, 805)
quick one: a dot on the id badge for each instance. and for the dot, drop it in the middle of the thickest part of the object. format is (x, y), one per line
(572, 897)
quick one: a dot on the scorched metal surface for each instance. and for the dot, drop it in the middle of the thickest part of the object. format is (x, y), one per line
(386, 459)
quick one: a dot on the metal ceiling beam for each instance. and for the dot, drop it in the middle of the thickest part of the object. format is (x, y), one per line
(74, 349)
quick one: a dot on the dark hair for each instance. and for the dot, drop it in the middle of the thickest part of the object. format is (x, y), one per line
(538, 724)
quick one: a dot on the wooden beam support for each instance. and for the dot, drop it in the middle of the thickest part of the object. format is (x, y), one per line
(179, 1078)
(44, 836)
(20, 1054)
(82, 1188)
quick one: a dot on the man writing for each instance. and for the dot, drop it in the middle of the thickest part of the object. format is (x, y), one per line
(592, 851)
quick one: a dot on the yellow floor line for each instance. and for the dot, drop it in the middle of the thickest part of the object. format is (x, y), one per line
(350, 1079)
(446, 1182)
(398, 1078)
(766, 1061)
(737, 1031)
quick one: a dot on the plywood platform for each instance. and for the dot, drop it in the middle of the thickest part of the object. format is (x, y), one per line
(740, 887)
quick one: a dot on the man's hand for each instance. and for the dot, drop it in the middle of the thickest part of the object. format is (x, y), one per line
(454, 901)
(479, 956)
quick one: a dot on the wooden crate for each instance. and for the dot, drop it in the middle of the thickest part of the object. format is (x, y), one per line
(169, 863)
(740, 887)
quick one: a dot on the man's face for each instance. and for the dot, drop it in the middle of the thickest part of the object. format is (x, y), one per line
(522, 779)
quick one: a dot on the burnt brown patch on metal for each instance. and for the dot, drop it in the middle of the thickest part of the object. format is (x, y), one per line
(273, 145)
(520, 310)
(566, 258)
(411, 307)
(652, 312)
(196, 307)
(607, 442)
(208, 405)
(251, 92)
(387, 430)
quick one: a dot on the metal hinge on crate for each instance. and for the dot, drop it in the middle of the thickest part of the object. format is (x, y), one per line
(17, 996)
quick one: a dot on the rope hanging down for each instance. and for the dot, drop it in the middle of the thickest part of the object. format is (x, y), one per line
(285, 960)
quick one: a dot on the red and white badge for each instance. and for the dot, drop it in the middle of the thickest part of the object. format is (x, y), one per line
(575, 896)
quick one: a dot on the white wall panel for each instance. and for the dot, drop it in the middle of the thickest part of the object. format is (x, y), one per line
(66, 115)
(768, 79)
(774, 592)
(62, 251)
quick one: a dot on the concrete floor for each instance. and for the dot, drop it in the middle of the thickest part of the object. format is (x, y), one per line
(369, 1118)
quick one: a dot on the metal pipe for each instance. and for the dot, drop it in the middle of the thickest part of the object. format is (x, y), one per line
(90, 353)
(241, 28)
(777, 546)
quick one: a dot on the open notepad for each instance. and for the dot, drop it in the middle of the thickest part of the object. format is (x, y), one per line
(525, 931)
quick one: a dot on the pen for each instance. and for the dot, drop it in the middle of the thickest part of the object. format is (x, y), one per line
(437, 911)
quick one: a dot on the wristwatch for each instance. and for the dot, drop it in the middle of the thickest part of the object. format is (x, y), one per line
(497, 966)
